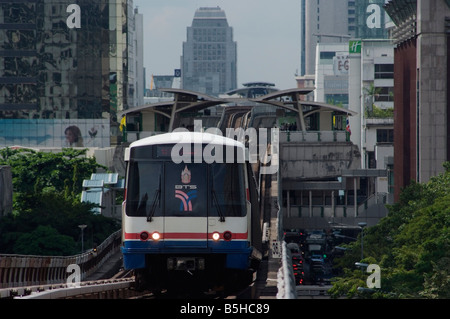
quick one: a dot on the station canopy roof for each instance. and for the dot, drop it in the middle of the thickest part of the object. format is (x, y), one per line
(189, 101)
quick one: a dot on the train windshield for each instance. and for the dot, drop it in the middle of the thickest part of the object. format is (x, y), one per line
(144, 188)
(164, 188)
(227, 191)
(186, 190)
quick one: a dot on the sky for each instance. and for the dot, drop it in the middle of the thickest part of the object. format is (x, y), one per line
(267, 33)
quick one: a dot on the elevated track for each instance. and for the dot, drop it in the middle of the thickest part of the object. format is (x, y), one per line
(25, 277)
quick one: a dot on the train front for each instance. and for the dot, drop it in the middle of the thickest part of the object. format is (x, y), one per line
(186, 223)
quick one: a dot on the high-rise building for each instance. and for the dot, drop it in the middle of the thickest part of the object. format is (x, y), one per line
(371, 20)
(421, 85)
(322, 21)
(209, 60)
(136, 78)
(64, 71)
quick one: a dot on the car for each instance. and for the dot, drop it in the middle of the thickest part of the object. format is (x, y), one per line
(293, 247)
(294, 236)
(317, 259)
(297, 260)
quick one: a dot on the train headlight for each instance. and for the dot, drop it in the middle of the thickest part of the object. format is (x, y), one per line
(215, 236)
(156, 236)
(227, 235)
(143, 236)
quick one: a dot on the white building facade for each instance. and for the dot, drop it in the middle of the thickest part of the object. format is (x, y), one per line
(371, 87)
(331, 77)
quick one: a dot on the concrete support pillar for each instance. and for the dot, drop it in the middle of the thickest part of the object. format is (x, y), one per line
(310, 203)
(332, 203)
(355, 199)
(288, 204)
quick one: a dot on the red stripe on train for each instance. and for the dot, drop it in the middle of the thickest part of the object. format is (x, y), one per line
(130, 236)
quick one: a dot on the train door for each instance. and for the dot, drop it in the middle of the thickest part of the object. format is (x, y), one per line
(185, 217)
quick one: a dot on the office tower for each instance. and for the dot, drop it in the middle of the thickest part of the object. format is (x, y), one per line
(63, 71)
(136, 79)
(209, 60)
(322, 21)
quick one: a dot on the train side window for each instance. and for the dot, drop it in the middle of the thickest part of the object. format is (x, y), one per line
(228, 187)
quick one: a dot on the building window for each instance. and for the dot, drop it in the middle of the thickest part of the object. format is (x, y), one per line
(327, 55)
(339, 122)
(390, 169)
(385, 94)
(372, 163)
(385, 136)
(384, 71)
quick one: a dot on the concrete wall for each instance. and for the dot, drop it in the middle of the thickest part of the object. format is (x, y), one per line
(6, 190)
(422, 107)
(317, 160)
(432, 63)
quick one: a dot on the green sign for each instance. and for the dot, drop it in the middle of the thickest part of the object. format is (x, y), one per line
(354, 46)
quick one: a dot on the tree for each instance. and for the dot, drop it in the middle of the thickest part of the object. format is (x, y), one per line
(45, 241)
(35, 171)
(411, 244)
(47, 191)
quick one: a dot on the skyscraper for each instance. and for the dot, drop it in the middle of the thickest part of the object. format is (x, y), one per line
(209, 60)
(63, 71)
(323, 22)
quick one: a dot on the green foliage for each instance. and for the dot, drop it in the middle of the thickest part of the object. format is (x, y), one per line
(379, 113)
(411, 245)
(348, 284)
(45, 241)
(33, 171)
(47, 206)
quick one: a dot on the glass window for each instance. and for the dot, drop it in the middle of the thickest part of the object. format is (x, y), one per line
(144, 187)
(228, 195)
(386, 94)
(324, 55)
(186, 190)
(384, 71)
(385, 136)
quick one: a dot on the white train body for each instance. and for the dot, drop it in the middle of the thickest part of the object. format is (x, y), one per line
(190, 211)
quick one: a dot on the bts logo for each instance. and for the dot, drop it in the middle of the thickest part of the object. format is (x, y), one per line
(186, 175)
(186, 193)
(186, 199)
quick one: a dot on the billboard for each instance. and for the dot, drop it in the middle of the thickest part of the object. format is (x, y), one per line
(55, 132)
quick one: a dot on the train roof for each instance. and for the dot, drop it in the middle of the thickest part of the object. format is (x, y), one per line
(187, 137)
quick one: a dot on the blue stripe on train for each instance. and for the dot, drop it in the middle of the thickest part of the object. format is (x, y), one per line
(237, 252)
